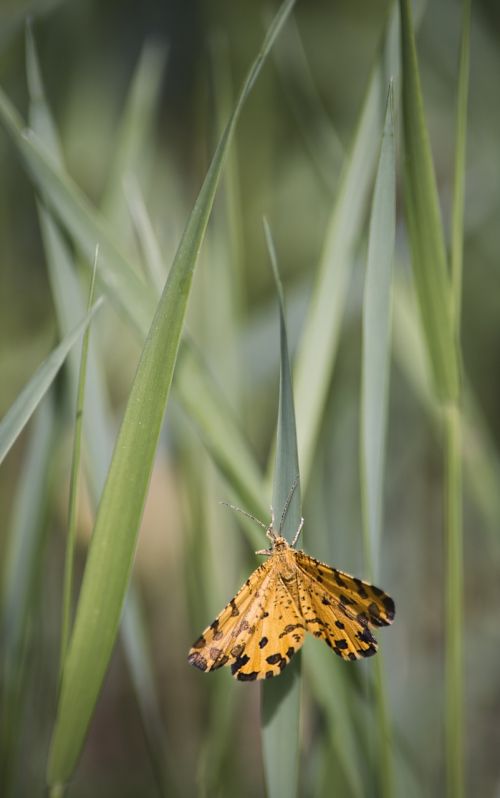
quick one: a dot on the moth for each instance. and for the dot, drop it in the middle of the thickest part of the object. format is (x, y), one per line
(291, 593)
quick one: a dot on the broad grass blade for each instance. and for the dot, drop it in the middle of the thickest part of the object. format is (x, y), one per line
(112, 548)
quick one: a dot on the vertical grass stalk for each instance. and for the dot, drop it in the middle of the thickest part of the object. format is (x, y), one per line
(73, 485)
(439, 301)
(374, 396)
(452, 423)
(281, 697)
(454, 604)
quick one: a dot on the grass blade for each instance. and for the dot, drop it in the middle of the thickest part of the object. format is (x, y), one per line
(113, 543)
(457, 222)
(317, 350)
(374, 396)
(281, 697)
(73, 486)
(424, 224)
(33, 392)
(376, 339)
(453, 458)
(439, 302)
(21, 556)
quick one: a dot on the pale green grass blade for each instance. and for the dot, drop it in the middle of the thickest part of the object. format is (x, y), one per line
(481, 461)
(453, 421)
(454, 667)
(223, 438)
(374, 396)
(133, 139)
(457, 222)
(320, 138)
(148, 243)
(424, 223)
(136, 643)
(112, 548)
(281, 696)
(376, 339)
(318, 345)
(440, 313)
(33, 392)
(73, 487)
(126, 289)
(20, 561)
(328, 684)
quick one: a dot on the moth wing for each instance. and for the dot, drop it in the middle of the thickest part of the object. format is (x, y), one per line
(361, 600)
(325, 617)
(276, 632)
(218, 644)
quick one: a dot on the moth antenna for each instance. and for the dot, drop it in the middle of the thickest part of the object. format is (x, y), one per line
(244, 512)
(288, 500)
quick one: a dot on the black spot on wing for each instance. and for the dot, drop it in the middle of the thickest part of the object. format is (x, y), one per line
(247, 677)
(198, 661)
(263, 642)
(234, 609)
(239, 663)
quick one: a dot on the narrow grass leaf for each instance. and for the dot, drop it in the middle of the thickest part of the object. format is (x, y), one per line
(73, 485)
(21, 556)
(126, 289)
(424, 223)
(457, 220)
(374, 394)
(132, 145)
(328, 684)
(376, 339)
(453, 457)
(33, 392)
(481, 459)
(281, 697)
(222, 435)
(112, 548)
(318, 345)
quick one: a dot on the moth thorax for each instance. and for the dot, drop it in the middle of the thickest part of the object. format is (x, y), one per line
(280, 544)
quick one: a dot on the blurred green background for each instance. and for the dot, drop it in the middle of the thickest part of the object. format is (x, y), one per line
(192, 556)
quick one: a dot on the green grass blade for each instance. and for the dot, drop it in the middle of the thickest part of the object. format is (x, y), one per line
(21, 556)
(281, 697)
(112, 548)
(33, 392)
(329, 686)
(454, 672)
(453, 458)
(125, 288)
(317, 349)
(73, 486)
(457, 221)
(439, 304)
(424, 224)
(230, 452)
(374, 395)
(133, 140)
(376, 339)
(481, 461)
